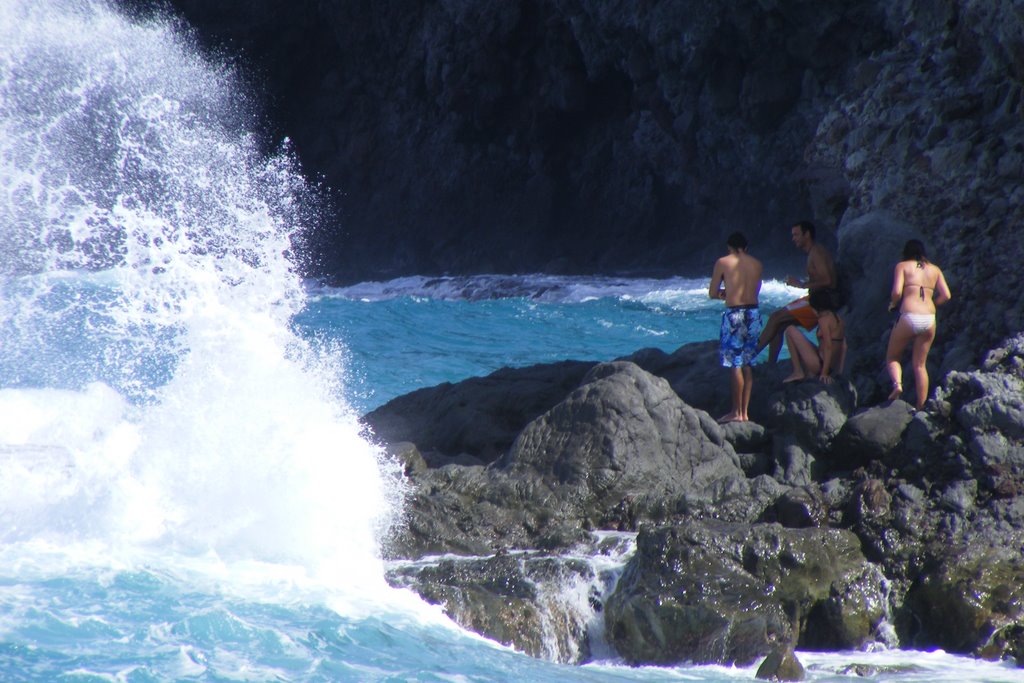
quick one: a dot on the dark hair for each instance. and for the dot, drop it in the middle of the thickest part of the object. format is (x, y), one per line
(807, 228)
(737, 241)
(913, 250)
(823, 300)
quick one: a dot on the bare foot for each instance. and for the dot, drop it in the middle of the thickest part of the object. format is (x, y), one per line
(794, 378)
(728, 417)
(897, 389)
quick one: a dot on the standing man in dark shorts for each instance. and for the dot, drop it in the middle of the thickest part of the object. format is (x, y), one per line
(736, 278)
(821, 274)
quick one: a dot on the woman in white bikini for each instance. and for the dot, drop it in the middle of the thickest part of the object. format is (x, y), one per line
(917, 288)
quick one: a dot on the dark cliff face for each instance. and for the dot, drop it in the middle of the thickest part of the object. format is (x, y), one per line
(596, 136)
(568, 135)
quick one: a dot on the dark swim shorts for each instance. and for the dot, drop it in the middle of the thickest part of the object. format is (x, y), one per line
(741, 326)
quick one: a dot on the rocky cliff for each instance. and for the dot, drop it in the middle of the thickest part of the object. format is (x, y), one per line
(568, 134)
(586, 135)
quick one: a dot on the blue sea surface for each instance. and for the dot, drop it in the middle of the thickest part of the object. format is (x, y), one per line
(414, 332)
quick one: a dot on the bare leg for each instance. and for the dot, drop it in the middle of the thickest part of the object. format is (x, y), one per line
(919, 358)
(771, 334)
(900, 336)
(803, 353)
(748, 386)
(736, 387)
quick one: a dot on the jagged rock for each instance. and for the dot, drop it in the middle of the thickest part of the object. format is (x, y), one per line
(511, 599)
(813, 412)
(715, 592)
(808, 416)
(746, 437)
(870, 500)
(480, 417)
(1005, 643)
(872, 434)
(620, 449)
(410, 457)
(781, 665)
(624, 431)
(976, 590)
(799, 507)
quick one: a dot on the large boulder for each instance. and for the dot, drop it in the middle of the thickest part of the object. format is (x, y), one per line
(625, 433)
(807, 416)
(712, 592)
(869, 248)
(480, 416)
(620, 449)
(872, 434)
(973, 594)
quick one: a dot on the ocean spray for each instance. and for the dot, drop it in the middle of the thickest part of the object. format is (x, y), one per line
(154, 400)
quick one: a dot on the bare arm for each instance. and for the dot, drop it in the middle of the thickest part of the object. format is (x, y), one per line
(896, 295)
(942, 293)
(716, 290)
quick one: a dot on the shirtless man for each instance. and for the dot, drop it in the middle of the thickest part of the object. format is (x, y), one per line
(736, 278)
(821, 274)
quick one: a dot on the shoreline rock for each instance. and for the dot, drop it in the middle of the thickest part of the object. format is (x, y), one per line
(911, 519)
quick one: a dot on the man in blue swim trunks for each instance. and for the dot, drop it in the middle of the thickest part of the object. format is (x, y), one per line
(736, 278)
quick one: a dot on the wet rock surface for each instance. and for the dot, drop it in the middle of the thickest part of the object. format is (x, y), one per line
(898, 526)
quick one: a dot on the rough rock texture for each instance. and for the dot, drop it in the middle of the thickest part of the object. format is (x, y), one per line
(517, 600)
(914, 519)
(930, 134)
(619, 449)
(712, 592)
(559, 135)
(624, 430)
(781, 664)
(480, 417)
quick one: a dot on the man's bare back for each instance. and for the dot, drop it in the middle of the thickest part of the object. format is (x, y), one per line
(736, 278)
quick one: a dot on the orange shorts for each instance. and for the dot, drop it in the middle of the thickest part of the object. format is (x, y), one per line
(803, 313)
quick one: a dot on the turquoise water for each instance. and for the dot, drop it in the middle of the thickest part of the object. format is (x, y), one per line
(405, 334)
(185, 494)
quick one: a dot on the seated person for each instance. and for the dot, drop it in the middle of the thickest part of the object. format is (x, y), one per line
(829, 355)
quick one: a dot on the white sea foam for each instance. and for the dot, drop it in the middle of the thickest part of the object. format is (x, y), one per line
(677, 293)
(155, 405)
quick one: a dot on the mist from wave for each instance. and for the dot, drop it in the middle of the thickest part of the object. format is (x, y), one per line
(155, 404)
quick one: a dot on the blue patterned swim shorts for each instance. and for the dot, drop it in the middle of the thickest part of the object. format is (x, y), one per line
(741, 326)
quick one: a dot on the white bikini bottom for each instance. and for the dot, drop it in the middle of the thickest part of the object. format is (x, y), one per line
(920, 322)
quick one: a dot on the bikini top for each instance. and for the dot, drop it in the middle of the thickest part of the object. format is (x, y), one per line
(920, 288)
(838, 320)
